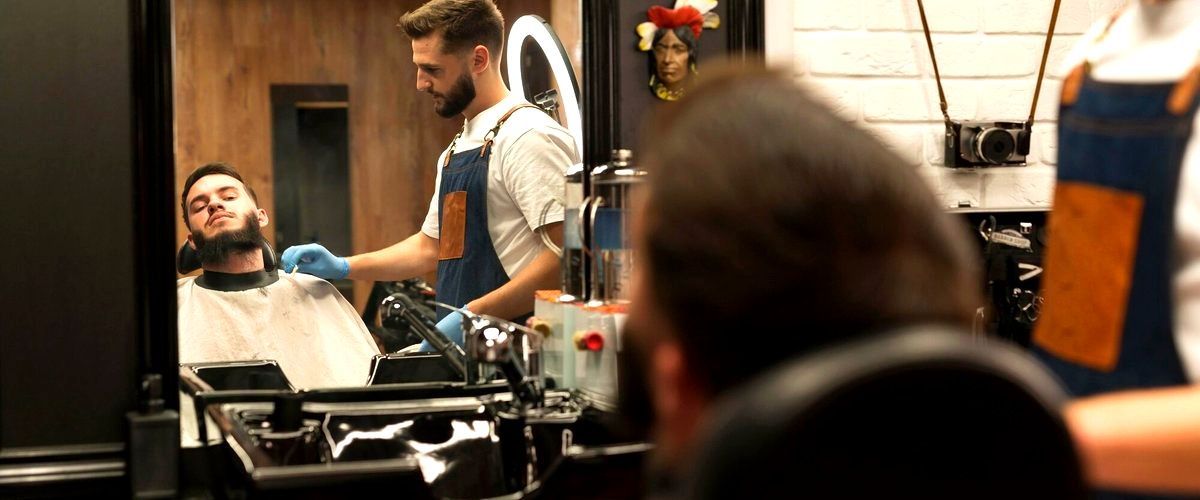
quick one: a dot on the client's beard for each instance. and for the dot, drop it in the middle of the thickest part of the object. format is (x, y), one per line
(218, 249)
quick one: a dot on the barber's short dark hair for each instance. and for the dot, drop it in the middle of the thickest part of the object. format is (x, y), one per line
(206, 170)
(463, 24)
(774, 227)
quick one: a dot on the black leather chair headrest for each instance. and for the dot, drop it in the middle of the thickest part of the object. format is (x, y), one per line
(187, 261)
(921, 412)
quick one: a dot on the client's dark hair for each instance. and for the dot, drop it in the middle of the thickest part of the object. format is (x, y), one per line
(773, 227)
(206, 170)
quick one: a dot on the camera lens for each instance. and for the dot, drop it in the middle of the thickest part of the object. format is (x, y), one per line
(995, 145)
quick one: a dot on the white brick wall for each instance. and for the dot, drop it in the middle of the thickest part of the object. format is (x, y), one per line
(868, 59)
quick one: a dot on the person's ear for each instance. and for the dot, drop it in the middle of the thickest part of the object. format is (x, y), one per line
(481, 58)
(191, 243)
(261, 215)
(668, 378)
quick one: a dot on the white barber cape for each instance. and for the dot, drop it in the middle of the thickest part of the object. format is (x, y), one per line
(300, 321)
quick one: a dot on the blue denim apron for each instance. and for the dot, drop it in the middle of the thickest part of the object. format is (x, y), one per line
(468, 267)
(1108, 323)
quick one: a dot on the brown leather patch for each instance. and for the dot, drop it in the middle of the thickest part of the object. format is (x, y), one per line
(1089, 271)
(1180, 101)
(1072, 84)
(453, 233)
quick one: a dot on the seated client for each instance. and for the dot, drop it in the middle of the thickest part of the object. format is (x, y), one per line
(238, 310)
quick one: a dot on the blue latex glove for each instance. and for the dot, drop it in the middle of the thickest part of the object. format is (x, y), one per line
(314, 259)
(451, 327)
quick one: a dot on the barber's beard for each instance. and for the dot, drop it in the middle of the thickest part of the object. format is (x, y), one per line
(218, 249)
(458, 98)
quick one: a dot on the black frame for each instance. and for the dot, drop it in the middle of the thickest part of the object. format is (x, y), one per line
(601, 122)
(747, 28)
(154, 175)
(95, 468)
(154, 178)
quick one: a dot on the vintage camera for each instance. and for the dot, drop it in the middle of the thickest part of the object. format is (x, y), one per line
(984, 144)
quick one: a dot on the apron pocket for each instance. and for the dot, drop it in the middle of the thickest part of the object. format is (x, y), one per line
(1089, 271)
(453, 231)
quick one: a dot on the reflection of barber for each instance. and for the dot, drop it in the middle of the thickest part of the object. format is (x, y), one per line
(493, 181)
(672, 35)
(1122, 276)
(1122, 283)
(239, 310)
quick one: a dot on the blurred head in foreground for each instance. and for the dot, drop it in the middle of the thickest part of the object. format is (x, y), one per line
(769, 228)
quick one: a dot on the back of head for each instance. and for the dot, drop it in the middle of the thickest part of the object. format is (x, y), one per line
(773, 227)
(462, 24)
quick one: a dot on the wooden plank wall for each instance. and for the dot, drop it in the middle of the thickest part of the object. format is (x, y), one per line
(229, 52)
(567, 21)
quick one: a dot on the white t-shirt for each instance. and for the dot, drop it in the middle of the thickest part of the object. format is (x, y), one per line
(530, 155)
(301, 321)
(1156, 44)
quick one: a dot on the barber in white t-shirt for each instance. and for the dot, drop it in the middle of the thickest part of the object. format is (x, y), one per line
(493, 182)
(1150, 47)
(1144, 440)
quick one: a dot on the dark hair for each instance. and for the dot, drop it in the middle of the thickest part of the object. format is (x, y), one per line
(463, 24)
(773, 227)
(206, 170)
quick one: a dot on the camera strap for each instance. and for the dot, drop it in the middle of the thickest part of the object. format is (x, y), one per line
(932, 57)
(1041, 69)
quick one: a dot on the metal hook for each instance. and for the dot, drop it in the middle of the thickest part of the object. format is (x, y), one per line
(990, 223)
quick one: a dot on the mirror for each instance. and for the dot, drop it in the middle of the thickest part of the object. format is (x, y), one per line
(314, 104)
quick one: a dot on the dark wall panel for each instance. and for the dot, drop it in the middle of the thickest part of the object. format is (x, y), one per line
(68, 321)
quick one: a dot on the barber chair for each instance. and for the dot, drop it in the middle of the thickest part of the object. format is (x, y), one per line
(187, 261)
(922, 412)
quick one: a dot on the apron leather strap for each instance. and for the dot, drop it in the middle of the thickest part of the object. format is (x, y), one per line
(487, 138)
(1180, 100)
(450, 150)
(491, 135)
(1073, 83)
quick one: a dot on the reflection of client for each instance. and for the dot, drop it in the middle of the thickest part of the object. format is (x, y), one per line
(237, 310)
